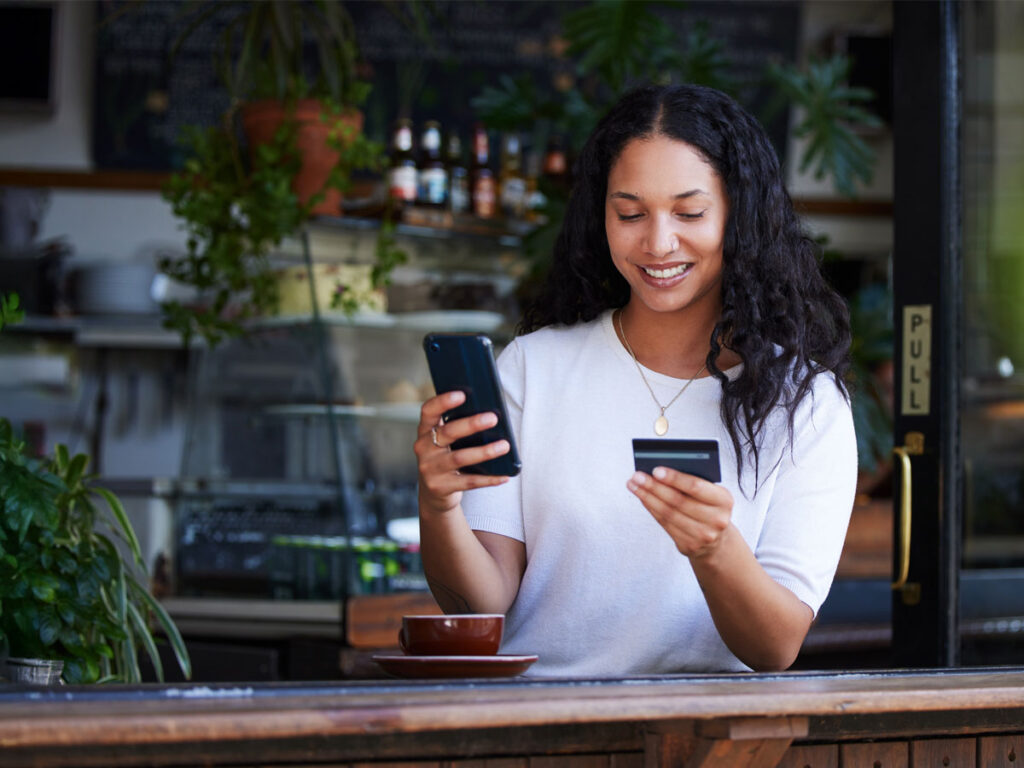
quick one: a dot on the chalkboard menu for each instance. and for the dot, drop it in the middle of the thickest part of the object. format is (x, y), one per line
(144, 96)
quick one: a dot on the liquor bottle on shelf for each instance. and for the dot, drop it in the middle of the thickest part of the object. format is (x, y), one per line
(433, 178)
(534, 197)
(402, 174)
(458, 177)
(556, 163)
(482, 183)
(512, 182)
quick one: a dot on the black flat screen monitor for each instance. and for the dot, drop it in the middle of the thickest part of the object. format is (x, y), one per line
(27, 56)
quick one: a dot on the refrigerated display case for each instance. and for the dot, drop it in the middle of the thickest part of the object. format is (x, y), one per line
(298, 478)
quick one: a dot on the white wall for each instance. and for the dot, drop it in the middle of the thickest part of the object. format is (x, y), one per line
(97, 224)
(106, 225)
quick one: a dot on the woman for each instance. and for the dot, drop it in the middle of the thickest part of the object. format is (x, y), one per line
(684, 300)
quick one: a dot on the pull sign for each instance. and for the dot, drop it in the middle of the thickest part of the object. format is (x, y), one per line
(917, 359)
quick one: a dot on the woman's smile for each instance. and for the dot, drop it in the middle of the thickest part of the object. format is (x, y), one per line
(661, 275)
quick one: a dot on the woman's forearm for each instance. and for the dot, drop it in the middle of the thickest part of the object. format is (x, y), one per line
(763, 623)
(469, 572)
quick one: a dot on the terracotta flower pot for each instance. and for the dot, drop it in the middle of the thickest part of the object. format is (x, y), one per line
(260, 119)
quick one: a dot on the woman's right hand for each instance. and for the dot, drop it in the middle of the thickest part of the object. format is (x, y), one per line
(440, 482)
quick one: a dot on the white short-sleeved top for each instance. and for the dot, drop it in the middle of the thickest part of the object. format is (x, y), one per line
(605, 592)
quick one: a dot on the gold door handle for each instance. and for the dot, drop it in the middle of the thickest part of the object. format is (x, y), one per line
(914, 447)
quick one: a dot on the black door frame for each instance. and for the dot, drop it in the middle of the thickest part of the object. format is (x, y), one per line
(926, 273)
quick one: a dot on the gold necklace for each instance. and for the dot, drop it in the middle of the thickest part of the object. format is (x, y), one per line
(660, 423)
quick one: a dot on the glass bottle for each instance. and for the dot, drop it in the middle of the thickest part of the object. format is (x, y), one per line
(482, 183)
(512, 182)
(402, 174)
(433, 178)
(458, 175)
(556, 164)
(535, 199)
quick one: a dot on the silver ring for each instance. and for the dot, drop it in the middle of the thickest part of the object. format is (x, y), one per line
(433, 437)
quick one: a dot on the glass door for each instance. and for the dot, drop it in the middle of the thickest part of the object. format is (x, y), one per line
(958, 283)
(992, 378)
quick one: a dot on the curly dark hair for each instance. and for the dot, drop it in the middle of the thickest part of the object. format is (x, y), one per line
(778, 312)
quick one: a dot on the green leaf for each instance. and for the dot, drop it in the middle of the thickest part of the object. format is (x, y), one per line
(92, 669)
(66, 611)
(29, 496)
(131, 671)
(44, 587)
(75, 468)
(143, 633)
(10, 313)
(121, 598)
(167, 623)
(73, 641)
(618, 40)
(49, 627)
(102, 566)
(125, 524)
(75, 671)
(88, 585)
(61, 458)
(511, 105)
(704, 60)
(66, 564)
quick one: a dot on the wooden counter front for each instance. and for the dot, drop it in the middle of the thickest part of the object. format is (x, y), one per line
(958, 718)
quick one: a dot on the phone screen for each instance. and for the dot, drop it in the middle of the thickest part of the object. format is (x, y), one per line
(465, 362)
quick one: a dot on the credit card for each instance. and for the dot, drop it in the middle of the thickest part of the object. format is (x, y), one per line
(694, 457)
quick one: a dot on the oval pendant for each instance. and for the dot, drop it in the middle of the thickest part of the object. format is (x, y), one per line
(660, 425)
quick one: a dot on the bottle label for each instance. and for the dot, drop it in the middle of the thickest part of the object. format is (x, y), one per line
(459, 193)
(402, 140)
(484, 197)
(433, 186)
(431, 140)
(513, 195)
(402, 183)
(555, 163)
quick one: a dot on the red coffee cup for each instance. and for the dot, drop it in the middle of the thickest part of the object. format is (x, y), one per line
(465, 634)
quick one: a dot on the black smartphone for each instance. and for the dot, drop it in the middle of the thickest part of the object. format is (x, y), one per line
(694, 457)
(465, 362)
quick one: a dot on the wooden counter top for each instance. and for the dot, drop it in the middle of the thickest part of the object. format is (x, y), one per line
(418, 720)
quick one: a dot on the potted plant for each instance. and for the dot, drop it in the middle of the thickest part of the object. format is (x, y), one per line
(73, 603)
(239, 200)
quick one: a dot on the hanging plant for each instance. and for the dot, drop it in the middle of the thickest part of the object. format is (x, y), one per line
(239, 202)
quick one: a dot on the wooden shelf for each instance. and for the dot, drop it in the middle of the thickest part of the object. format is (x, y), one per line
(152, 181)
(131, 181)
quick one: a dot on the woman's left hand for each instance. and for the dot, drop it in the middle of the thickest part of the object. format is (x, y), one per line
(696, 513)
